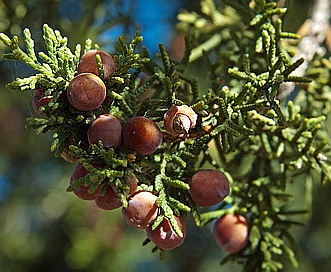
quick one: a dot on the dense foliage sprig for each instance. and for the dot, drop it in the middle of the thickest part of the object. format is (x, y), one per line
(289, 141)
(262, 142)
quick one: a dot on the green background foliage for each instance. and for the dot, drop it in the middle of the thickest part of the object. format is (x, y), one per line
(44, 228)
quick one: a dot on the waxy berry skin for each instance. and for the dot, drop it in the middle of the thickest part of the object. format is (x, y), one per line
(142, 135)
(109, 201)
(142, 209)
(88, 63)
(132, 185)
(106, 128)
(83, 191)
(208, 187)
(179, 120)
(39, 99)
(164, 236)
(231, 232)
(86, 92)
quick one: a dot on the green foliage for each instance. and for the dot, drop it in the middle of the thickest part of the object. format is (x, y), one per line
(262, 142)
(288, 142)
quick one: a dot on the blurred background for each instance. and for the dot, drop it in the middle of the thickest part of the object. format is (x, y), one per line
(44, 228)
